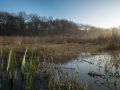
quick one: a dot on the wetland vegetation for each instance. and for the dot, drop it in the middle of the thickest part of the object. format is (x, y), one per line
(39, 53)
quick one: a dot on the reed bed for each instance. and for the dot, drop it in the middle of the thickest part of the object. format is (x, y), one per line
(32, 69)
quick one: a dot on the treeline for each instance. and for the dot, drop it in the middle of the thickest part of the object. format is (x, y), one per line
(23, 24)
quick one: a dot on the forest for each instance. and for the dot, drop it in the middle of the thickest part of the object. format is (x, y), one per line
(23, 24)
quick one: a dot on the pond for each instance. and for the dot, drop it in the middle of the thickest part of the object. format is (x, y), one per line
(95, 71)
(101, 72)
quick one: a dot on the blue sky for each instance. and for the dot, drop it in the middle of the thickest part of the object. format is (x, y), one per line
(101, 13)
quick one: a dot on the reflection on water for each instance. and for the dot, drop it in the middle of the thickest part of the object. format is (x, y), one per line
(101, 72)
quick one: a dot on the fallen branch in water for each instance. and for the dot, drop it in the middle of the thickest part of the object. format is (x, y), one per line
(87, 61)
(93, 74)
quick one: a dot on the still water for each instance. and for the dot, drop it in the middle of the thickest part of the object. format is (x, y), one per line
(100, 72)
(97, 72)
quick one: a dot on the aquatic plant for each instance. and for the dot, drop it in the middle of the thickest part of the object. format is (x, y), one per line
(9, 59)
(32, 68)
(23, 61)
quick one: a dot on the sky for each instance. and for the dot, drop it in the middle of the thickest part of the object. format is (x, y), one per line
(100, 13)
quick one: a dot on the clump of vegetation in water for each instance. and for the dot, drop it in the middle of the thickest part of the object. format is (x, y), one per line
(30, 72)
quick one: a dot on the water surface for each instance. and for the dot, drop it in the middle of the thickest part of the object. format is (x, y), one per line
(101, 72)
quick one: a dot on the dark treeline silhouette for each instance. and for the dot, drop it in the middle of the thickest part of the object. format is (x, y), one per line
(23, 24)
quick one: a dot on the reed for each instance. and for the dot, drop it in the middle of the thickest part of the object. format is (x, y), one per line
(9, 60)
(23, 61)
(32, 68)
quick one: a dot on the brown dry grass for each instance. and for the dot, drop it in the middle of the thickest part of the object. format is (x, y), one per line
(103, 39)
